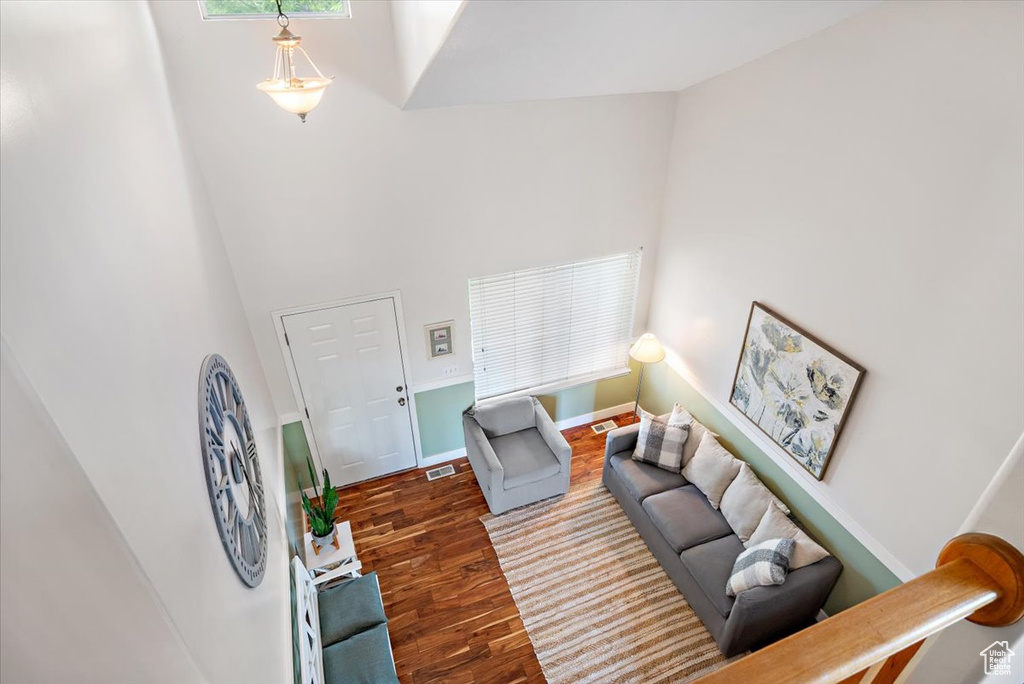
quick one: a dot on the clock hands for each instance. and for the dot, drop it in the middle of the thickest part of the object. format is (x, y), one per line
(255, 502)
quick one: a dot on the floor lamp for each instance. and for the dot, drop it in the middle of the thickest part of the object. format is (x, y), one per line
(646, 350)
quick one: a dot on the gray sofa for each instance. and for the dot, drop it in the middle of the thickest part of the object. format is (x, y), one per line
(516, 452)
(697, 548)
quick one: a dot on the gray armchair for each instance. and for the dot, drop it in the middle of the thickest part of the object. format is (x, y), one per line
(517, 453)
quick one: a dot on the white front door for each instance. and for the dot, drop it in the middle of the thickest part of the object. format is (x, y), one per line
(348, 362)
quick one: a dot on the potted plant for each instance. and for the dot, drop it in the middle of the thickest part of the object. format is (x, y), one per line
(321, 514)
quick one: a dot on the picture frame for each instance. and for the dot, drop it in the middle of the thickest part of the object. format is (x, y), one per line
(794, 388)
(440, 340)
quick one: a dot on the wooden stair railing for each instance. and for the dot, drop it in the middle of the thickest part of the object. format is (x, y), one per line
(978, 577)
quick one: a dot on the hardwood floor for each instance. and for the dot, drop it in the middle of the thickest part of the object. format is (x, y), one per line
(451, 615)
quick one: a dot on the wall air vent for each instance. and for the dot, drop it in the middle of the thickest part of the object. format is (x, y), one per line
(443, 471)
(601, 428)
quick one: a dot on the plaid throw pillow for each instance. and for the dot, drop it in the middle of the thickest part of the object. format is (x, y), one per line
(761, 566)
(660, 443)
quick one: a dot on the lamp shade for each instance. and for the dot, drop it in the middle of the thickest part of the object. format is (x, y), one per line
(647, 349)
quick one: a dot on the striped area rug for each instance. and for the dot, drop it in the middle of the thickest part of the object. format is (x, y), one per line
(595, 602)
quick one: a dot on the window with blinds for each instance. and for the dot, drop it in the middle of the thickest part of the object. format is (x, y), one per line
(541, 329)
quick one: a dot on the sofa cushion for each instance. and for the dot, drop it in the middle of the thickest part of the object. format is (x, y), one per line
(643, 480)
(685, 518)
(745, 502)
(712, 469)
(711, 565)
(350, 608)
(502, 417)
(363, 658)
(525, 457)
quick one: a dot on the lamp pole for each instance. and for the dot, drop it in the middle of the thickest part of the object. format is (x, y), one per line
(645, 350)
(639, 382)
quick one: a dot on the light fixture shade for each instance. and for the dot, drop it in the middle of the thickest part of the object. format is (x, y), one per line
(291, 92)
(300, 96)
(647, 349)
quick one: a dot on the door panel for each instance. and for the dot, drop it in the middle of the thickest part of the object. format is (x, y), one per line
(349, 365)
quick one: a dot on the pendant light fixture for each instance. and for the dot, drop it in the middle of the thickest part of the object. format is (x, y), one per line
(292, 93)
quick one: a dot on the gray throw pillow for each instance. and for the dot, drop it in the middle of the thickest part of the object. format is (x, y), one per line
(763, 565)
(659, 443)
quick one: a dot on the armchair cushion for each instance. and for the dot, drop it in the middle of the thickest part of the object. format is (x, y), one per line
(525, 457)
(505, 416)
(350, 608)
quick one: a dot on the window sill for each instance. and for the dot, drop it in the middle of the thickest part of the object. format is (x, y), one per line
(555, 387)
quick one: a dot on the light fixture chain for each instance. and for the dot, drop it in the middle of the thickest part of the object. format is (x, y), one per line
(282, 18)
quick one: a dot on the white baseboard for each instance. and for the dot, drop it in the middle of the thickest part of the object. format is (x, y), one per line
(603, 414)
(443, 457)
(803, 479)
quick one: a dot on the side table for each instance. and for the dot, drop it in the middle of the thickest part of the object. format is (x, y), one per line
(333, 563)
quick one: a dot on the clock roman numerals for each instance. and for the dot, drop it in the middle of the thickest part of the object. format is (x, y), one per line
(232, 470)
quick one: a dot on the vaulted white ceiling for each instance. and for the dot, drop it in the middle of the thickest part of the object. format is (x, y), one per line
(520, 50)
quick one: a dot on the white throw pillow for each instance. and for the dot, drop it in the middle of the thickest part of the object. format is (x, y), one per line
(712, 469)
(681, 416)
(745, 502)
(775, 525)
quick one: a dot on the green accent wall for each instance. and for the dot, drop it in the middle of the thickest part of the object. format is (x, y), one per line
(863, 574)
(439, 411)
(439, 414)
(296, 452)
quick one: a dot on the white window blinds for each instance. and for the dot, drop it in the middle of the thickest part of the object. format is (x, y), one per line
(542, 328)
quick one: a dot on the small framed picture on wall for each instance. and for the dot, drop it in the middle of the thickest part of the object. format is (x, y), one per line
(439, 339)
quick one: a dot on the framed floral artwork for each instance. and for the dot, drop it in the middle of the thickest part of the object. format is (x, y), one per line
(795, 388)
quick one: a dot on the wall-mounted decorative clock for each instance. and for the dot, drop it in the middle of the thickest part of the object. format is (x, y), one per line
(232, 470)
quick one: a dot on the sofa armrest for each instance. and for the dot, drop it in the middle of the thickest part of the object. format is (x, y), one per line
(552, 437)
(766, 614)
(481, 455)
(621, 439)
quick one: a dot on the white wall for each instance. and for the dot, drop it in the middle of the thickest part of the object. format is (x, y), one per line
(65, 568)
(867, 184)
(420, 27)
(366, 198)
(114, 285)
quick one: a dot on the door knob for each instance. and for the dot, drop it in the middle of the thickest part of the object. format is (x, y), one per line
(399, 388)
(401, 401)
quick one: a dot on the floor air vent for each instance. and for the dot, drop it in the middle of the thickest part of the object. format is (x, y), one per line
(604, 427)
(443, 471)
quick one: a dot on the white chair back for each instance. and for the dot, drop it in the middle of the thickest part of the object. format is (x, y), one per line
(307, 610)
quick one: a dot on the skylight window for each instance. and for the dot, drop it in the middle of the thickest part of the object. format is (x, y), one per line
(267, 9)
